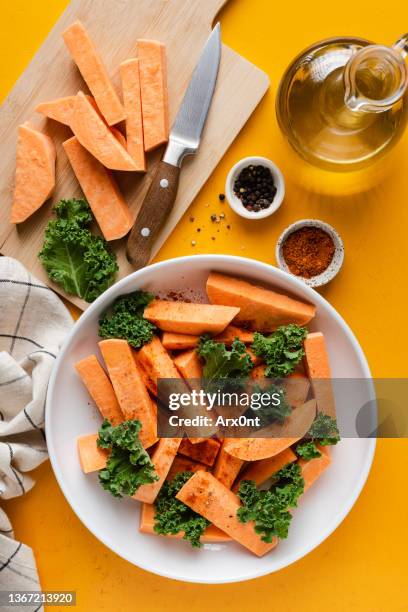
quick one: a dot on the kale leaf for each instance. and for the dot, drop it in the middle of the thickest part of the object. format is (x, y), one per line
(271, 413)
(270, 509)
(221, 363)
(172, 516)
(324, 430)
(125, 319)
(307, 450)
(129, 465)
(282, 350)
(73, 257)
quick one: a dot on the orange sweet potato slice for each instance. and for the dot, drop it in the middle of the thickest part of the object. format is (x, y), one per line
(91, 457)
(314, 468)
(107, 203)
(156, 363)
(184, 464)
(189, 364)
(94, 73)
(211, 534)
(204, 494)
(100, 388)
(260, 471)
(227, 468)
(261, 309)
(129, 72)
(281, 436)
(96, 136)
(35, 172)
(162, 459)
(205, 452)
(153, 85)
(178, 342)
(189, 318)
(129, 387)
(318, 369)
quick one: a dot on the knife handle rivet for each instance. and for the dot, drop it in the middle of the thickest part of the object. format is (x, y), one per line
(164, 183)
(145, 232)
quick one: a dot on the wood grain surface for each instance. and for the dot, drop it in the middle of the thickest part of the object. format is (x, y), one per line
(115, 25)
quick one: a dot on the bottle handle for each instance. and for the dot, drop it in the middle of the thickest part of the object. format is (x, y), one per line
(402, 45)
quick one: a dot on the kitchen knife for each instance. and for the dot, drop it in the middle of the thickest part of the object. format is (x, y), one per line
(184, 140)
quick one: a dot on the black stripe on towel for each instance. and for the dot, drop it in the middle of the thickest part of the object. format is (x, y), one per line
(5, 564)
(20, 318)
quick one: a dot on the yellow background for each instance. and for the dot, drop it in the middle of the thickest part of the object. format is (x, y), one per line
(363, 565)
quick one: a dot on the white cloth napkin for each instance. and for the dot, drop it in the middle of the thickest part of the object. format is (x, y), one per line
(33, 325)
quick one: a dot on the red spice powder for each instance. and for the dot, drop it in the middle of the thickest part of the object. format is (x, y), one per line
(308, 251)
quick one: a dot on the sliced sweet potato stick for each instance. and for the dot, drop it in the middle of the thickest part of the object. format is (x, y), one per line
(96, 136)
(189, 364)
(91, 457)
(107, 203)
(211, 534)
(205, 452)
(94, 73)
(261, 309)
(129, 72)
(260, 471)
(162, 458)
(129, 387)
(35, 172)
(295, 426)
(204, 494)
(318, 368)
(314, 468)
(178, 342)
(100, 388)
(153, 86)
(184, 464)
(156, 362)
(227, 468)
(189, 318)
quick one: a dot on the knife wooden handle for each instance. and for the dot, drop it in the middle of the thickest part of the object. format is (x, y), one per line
(153, 213)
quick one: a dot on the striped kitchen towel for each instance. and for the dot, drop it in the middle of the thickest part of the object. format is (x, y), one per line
(33, 325)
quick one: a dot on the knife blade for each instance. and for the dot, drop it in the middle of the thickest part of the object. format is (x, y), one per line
(185, 137)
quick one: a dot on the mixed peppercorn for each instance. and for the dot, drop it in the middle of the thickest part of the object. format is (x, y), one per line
(255, 188)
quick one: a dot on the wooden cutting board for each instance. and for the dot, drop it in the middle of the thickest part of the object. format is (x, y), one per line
(114, 25)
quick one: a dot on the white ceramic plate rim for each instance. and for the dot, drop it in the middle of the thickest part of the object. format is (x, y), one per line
(109, 295)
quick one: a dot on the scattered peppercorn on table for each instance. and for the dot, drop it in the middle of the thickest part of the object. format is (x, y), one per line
(363, 564)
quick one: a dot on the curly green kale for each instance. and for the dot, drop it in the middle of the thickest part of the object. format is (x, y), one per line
(307, 450)
(221, 363)
(270, 509)
(172, 516)
(125, 319)
(274, 412)
(324, 430)
(73, 257)
(128, 465)
(282, 350)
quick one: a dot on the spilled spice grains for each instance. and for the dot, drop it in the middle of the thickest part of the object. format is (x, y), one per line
(308, 251)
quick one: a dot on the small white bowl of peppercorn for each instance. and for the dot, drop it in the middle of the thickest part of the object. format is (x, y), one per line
(255, 188)
(311, 250)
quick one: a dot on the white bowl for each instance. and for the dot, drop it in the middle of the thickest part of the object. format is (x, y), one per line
(236, 203)
(70, 413)
(336, 263)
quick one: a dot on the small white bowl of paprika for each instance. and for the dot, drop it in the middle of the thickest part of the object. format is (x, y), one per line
(255, 187)
(311, 250)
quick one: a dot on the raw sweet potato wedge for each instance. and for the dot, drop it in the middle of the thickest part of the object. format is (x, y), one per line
(261, 310)
(108, 205)
(35, 172)
(89, 62)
